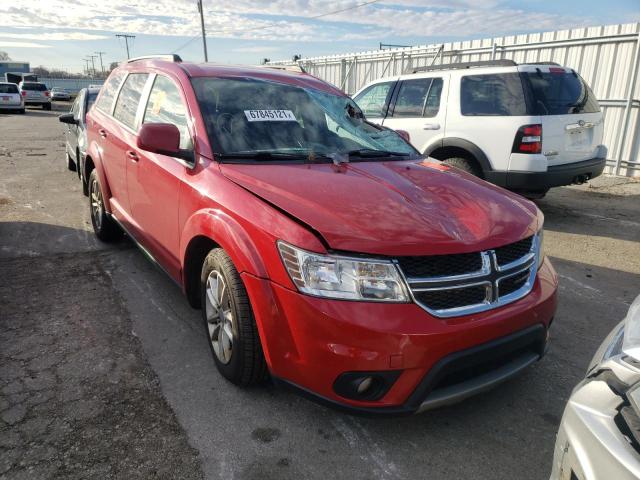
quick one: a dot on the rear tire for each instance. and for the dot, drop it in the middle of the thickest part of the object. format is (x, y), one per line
(47, 106)
(71, 165)
(533, 194)
(229, 321)
(105, 228)
(464, 164)
(22, 111)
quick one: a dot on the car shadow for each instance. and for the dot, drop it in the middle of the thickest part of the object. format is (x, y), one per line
(592, 213)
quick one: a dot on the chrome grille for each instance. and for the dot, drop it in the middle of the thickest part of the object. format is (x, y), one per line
(451, 285)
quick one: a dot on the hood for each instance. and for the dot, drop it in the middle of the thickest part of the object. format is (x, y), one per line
(392, 208)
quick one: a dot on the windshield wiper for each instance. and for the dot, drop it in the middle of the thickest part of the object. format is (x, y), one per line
(371, 153)
(261, 155)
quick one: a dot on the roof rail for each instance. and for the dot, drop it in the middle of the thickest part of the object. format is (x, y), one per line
(170, 57)
(542, 63)
(288, 68)
(460, 66)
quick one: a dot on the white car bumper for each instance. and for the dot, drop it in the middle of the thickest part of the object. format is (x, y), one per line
(590, 444)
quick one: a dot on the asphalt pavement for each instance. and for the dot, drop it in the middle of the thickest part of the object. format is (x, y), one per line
(151, 403)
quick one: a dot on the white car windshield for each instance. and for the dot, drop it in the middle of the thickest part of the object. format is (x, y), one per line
(245, 117)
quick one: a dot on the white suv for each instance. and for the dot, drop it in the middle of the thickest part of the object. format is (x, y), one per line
(524, 127)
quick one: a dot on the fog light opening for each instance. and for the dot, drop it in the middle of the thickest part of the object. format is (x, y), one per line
(364, 385)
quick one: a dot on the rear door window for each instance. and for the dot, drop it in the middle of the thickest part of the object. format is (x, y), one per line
(165, 106)
(129, 99)
(109, 91)
(8, 88)
(499, 94)
(560, 93)
(374, 100)
(418, 98)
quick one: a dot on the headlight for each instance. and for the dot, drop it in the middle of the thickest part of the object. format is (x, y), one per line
(631, 341)
(540, 247)
(343, 277)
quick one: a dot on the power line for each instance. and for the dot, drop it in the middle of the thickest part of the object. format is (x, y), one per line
(273, 24)
(126, 41)
(101, 65)
(204, 35)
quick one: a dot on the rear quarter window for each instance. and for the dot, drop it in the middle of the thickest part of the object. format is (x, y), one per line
(499, 94)
(105, 103)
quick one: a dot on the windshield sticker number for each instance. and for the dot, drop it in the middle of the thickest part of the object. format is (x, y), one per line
(270, 115)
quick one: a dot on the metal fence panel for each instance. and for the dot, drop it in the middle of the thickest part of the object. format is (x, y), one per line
(74, 85)
(607, 56)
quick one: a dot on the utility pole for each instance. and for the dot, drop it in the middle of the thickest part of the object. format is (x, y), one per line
(204, 35)
(101, 65)
(86, 66)
(126, 41)
(93, 64)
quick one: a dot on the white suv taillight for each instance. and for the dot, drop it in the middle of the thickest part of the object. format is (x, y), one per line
(528, 139)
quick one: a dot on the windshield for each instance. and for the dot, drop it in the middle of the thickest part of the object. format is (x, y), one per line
(246, 116)
(560, 93)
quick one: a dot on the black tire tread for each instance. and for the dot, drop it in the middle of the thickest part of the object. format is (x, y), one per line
(253, 367)
(110, 231)
(464, 164)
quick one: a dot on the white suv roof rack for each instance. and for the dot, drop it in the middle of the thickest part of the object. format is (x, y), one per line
(484, 63)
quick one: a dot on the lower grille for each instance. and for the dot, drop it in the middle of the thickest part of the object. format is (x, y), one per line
(452, 298)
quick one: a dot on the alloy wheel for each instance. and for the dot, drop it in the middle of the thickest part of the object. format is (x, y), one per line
(220, 321)
(97, 206)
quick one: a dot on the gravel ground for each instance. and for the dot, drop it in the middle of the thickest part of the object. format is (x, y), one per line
(106, 372)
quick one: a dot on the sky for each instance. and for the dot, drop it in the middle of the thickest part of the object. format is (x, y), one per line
(61, 33)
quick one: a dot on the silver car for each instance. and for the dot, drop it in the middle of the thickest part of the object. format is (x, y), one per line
(10, 98)
(36, 93)
(58, 93)
(599, 436)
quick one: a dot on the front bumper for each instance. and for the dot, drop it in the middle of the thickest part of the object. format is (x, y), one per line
(590, 444)
(554, 176)
(309, 342)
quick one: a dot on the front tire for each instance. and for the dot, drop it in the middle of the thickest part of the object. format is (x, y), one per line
(465, 165)
(105, 228)
(229, 321)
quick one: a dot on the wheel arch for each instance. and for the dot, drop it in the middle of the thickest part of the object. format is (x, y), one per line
(459, 147)
(207, 229)
(93, 160)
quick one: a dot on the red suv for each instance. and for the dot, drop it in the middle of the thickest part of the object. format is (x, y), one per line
(322, 249)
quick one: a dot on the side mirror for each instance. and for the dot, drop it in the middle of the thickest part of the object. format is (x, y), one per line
(68, 118)
(405, 135)
(162, 138)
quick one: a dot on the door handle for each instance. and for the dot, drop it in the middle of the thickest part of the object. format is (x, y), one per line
(131, 155)
(103, 133)
(579, 126)
(431, 126)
